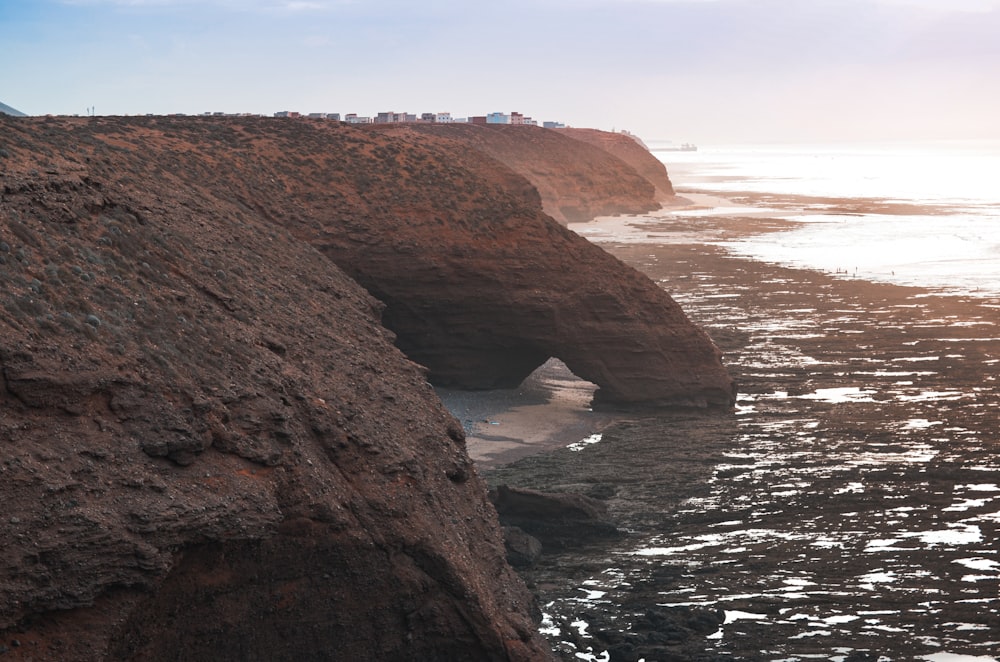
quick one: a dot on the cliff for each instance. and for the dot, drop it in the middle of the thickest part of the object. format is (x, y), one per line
(212, 448)
(577, 179)
(631, 151)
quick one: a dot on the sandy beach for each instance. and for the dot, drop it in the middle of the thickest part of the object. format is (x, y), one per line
(550, 410)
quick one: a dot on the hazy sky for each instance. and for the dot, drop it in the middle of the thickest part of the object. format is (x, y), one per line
(706, 71)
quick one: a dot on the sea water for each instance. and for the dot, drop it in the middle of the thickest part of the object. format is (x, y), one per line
(925, 214)
(855, 505)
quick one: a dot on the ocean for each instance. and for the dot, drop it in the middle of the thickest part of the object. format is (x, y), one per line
(913, 214)
(848, 509)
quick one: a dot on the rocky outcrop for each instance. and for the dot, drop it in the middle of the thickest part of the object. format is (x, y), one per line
(629, 149)
(211, 447)
(577, 176)
(523, 550)
(556, 520)
(479, 285)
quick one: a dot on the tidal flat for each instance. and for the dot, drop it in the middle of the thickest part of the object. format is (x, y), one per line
(846, 510)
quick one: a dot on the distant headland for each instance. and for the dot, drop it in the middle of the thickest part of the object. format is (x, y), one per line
(7, 110)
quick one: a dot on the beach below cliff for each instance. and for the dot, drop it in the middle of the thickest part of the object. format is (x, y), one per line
(549, 410)
(848, 504)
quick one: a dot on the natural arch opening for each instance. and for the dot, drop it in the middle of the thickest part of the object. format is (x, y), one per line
(550, 409)
(554, 382)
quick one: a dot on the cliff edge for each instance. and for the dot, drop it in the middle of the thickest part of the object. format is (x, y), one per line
(577, 178)
(211, 447)
(627, 148)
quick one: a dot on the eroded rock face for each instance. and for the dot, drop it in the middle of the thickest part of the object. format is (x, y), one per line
(483, 319)
(479, 284)
(487, 299)
(579, 175)
(628, 148)
(209, 446)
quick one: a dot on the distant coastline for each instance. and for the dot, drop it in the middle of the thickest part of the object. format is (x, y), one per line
(684, 147)
(7, 110)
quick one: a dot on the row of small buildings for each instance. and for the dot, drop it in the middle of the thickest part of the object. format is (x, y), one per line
(391, 117)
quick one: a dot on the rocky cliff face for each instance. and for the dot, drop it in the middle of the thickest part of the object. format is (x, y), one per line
(211, 448)
(631, 151)
(579, 176)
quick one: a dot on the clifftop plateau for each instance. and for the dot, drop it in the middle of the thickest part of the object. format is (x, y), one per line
(211, 447)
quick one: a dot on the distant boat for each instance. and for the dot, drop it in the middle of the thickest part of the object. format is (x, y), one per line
(686, 147)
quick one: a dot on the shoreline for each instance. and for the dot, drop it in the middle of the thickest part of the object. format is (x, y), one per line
(852, 392)
(551, 408)
(548, 411)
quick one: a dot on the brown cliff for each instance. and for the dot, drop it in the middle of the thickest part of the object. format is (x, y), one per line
(211, 448)
(627, 148)
(577, 179)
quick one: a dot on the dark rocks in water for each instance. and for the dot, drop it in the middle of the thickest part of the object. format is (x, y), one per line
(523, 550)
(659, 635)
(558, 520)
(862, 656)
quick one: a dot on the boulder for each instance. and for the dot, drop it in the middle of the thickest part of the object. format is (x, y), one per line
(558, 520)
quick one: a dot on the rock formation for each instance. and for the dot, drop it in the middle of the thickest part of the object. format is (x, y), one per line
(211, 447)
(577, 182)
(628, 148)
(487, 300)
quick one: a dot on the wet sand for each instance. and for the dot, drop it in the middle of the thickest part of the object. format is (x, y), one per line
(550, 410)
(849, 503)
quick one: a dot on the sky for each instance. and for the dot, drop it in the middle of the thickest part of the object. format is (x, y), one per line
(703, 71)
